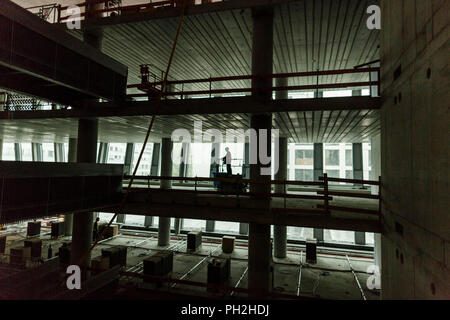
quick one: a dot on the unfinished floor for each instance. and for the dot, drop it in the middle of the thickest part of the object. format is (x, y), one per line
(329, 278)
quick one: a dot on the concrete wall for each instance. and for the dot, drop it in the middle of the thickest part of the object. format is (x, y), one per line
(414, 140)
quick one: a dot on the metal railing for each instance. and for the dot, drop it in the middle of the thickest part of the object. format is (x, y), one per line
(325, 194)
(315, 86)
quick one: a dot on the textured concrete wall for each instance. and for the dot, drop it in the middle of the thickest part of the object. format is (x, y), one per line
(414, 139)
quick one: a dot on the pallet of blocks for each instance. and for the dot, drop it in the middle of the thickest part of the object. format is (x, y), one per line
(19, 255)
(33, 228)
(219, 272)
(100, 264)
(111, 231)
(57, 230)
(167, 261)
(194, 240)
(228, 244)
(153, 266)
(36, 248)
(117, 255)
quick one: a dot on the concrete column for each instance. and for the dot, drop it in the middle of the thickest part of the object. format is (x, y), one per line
(374, 77)
(36, 152)
(357, 153)
(259, 242)
(183, 171)
(360, 237)
(243, 227)
(318, 161)
(72, 157)
(280, 232)
(128, 161)
(259, 247)
(154, 170)
(214, 167)
(210, 226)
(318, 172)
(128, 170)
(166, 171)
(83, 222)
(86, 152)
(103, 152)
(215, 159)
(58, 149)
(17, 152)
(318, 94)
(375, 144)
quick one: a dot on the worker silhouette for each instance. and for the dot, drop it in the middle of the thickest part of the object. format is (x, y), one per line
(227, 160)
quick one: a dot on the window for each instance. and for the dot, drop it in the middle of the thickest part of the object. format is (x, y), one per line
(333, 174)
(348, 158)
(339, 236)
(8, 152)
(304, 157)
(226, 226)
(304, 175)
(331, 157)
(48, 152)
(348, 174)
(298, 233)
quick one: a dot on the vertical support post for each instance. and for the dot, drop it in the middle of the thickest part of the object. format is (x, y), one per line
(325, 192)
(154, 171)
(72, 157)
(279, 231)
(214, 167)
(83, 222)
(128, 170)
(318, 172)
(58, 149)
(86, 152)
(260, 276)
(36, 152)
(357, 153)
(17, 152)
(1, 147)
(166, 171)
(357, 157)
(243, 227)
(103, 152)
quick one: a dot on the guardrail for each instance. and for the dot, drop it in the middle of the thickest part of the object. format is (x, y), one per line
(324, 195)
(158, 85)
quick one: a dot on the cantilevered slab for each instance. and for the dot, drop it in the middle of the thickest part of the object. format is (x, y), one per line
(31, 190)
(39, 59)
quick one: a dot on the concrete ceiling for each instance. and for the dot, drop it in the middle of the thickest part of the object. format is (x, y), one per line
(301, 127)
(308, 35)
